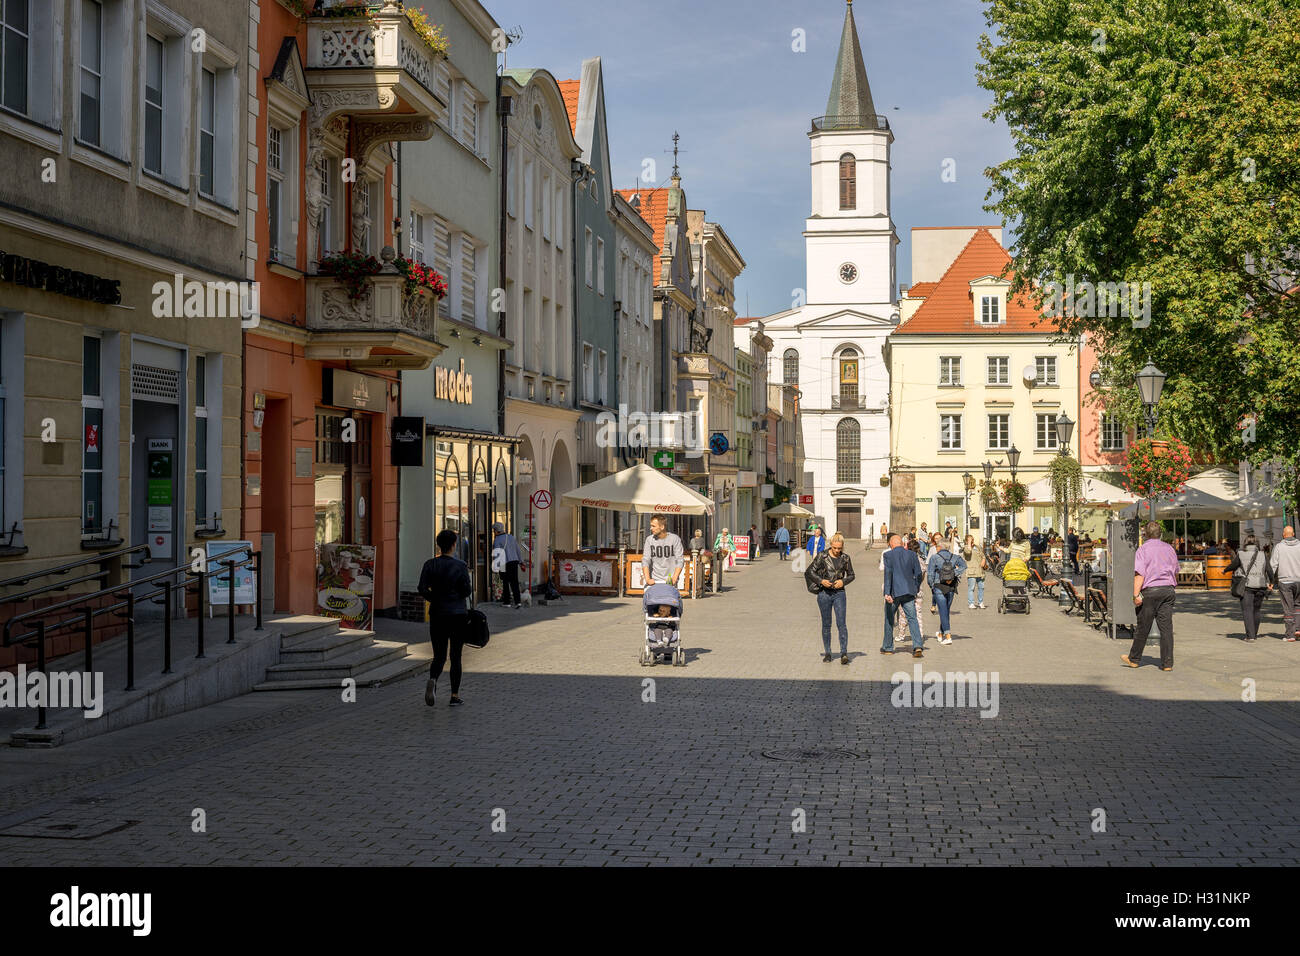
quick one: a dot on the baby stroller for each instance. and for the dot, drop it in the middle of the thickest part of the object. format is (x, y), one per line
(663, 638)
(1015, 587)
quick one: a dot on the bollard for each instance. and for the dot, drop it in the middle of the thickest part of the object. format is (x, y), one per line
(695, 572)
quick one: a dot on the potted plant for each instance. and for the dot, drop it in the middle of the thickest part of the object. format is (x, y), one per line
(352, 269)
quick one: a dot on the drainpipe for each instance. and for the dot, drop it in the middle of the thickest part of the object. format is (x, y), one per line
(504, 107)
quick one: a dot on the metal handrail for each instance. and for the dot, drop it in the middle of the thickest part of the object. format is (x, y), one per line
(70, 566)
(126, 609)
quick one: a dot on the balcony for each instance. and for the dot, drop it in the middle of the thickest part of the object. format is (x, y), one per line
(383, 328)
(844, 403)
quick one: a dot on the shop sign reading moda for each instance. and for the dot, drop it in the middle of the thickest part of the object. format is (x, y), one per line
(453, 385)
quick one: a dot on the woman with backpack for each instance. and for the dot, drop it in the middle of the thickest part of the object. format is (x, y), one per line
(829, 573)
(1250, 574)
(944, 571)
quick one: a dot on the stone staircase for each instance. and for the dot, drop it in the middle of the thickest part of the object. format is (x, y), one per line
(315, 652)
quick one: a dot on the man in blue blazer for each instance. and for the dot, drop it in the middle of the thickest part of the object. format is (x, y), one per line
(903, 576)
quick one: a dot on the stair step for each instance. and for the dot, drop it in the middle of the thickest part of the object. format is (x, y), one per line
(384, 674)
(304, 629)
(336, 669)
(326, 646)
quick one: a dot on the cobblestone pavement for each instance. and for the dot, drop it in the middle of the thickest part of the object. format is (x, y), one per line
(558, 745)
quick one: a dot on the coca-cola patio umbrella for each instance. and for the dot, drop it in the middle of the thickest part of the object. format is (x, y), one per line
(641, 489)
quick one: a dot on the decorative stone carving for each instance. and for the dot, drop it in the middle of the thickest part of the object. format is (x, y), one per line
(370, 133)
(343, 47)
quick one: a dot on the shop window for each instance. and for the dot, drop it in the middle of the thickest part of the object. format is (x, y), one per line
(93, 438)
(342, 471)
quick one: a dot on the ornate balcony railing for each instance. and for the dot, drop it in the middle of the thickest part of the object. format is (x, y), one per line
(382, 308)
(847, 403)
(844, 121)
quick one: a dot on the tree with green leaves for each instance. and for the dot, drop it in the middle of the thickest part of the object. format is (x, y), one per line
(1158, 141)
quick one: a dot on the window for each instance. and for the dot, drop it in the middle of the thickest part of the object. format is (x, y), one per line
(155, 67)
(1045, 367)
(999, 370)
(329, 189)
(790, 367)
(560, 213)
(468, 276)
(999, 431)
(849, 368)
(546, 206)
(14, 53)
(1113, 434)
(990, 310)
(1045, 432)
(200, 442)
(848, 182)
(276, 194)
(588, 373)
(950, 370)
(92, 455)
(589, 259)
(600, 266)
(207, 132)
(361, 197)
(417, 237)
(528, 194)
(602, 368)
(949, 432)
(468, 125)
(848, 450)
(92, 71)
(512, 179)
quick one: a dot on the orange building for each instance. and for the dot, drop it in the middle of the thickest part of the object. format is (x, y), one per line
(321, 367)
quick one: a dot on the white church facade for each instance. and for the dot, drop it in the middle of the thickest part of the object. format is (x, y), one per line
(830, 346)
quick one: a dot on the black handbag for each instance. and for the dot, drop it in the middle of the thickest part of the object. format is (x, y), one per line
(1238, 588)
(476, 629)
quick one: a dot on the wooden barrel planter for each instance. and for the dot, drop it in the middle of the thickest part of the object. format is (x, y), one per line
(1217, 577)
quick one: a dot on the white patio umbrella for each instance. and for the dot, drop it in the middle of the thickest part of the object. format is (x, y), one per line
(788, 509)
(1095, 492)
(1260, 504)
(1190, 503)
(641, 489)
(1219, 482)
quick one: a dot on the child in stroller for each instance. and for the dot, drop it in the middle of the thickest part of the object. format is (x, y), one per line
(1015, 587)
(663, 614)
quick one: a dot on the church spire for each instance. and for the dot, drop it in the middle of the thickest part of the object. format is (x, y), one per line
(850, 105)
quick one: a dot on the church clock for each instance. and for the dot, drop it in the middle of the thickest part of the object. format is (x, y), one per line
(848, 272)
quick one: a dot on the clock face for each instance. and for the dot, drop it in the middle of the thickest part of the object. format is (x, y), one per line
(848, 272)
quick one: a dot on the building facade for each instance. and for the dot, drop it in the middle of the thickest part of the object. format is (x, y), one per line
(829, 349)
(450, 194)
(122, 275)
(752, 420)
(974, 374)
(541, 406)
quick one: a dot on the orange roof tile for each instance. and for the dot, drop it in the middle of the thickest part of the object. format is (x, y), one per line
(654, 210)
(569, 90)
(921, 290)
(949, 307)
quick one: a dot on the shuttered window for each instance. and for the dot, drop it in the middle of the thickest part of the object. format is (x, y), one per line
(441, 258)
(468, 259)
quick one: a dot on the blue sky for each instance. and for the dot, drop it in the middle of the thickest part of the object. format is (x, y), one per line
(722, 73)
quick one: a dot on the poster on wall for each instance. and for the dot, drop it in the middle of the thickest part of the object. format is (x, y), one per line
(345, 584)
(587, 574)
(219, 584)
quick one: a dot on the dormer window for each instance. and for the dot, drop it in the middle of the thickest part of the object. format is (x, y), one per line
(989, 297)
(990, 310)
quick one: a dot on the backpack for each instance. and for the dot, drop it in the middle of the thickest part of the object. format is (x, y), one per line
(476, 629)
(947, 573)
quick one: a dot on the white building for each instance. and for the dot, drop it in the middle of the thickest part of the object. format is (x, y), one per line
(831, 345)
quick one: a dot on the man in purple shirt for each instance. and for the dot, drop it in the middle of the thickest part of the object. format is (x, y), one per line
(1155, 580)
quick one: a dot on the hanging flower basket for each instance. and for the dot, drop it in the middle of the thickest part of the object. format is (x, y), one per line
(1158, 468)
(1014, 495)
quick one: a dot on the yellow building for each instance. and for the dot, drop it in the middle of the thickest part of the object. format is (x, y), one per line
(973, 375)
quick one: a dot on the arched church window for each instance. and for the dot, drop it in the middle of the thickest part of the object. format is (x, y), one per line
(790, 362)
(850, 368)
(848, 182)
(848, 451)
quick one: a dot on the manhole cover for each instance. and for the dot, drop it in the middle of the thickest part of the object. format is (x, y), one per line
(811, 754)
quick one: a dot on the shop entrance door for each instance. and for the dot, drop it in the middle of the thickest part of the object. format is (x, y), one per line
(481, 529)
(997, 525)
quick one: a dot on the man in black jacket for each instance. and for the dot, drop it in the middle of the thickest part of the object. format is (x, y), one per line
(445, 584)
(827, 576)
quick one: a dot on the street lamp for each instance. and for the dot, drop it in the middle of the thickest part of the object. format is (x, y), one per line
(1013, 459)
(988, 470)
(1064, 429)
(967, 483)
(1151, 382)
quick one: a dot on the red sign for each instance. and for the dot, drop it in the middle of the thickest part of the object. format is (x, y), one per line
(742, 546)
(805, 499)
(92, 439)
(541, 500)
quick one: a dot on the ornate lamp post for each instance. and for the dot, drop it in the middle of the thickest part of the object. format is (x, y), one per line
(1064, 429)
(1151, 382)
(1013, 459)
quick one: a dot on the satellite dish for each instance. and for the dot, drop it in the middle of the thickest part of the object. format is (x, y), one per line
(1029, 373)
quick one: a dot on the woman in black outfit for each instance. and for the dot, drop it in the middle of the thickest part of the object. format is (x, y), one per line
(445, 584)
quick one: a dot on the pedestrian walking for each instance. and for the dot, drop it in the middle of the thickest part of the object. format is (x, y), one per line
(830, 572)
(1285, 564)
(816, 542)
(782, 539)
(445, 584)
(506, 549)
(1072, 550)
(697, 541)
(944, 573)
(1155, 581)
(976, 565)
(1250, 583)
(754, 543)
(1020, 546)
(724, 546)
(902, 580)
(662, 555)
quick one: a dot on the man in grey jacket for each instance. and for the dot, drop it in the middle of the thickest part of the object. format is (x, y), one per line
(1285, 564)
(662, 556)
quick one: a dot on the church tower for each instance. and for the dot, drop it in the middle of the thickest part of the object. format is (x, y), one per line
(849, 236)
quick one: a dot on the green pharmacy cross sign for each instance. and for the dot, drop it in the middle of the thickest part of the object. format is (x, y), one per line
(664, 459)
